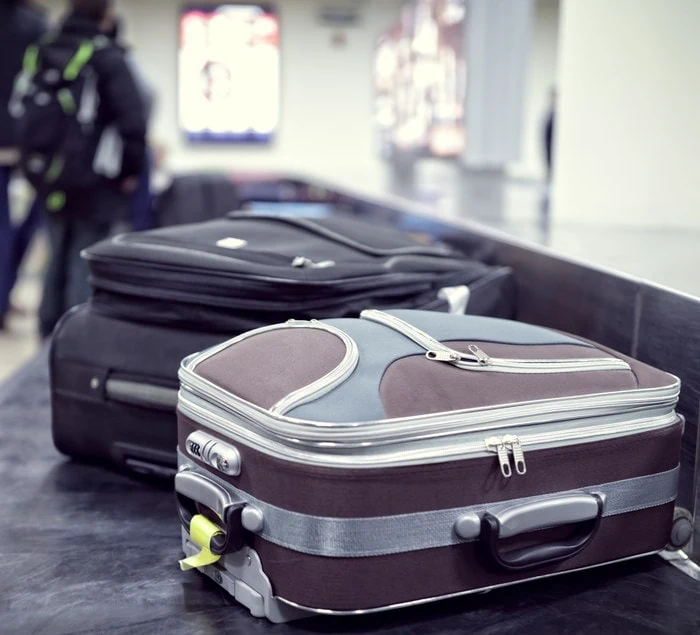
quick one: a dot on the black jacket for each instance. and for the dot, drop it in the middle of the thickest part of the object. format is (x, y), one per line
(121, 104)
(20, 26)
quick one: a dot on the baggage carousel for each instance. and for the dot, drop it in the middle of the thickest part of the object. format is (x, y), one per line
(89, 550)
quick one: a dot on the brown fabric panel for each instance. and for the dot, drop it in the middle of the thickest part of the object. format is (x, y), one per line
(647, 376)
(267, 367)
(361, 583)
(532, 351)
(348, 493)
(415, 385)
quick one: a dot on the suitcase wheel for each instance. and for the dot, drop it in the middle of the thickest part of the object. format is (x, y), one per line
(682, 529)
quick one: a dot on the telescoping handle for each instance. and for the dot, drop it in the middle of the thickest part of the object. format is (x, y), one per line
(195, 493)
(582, 511)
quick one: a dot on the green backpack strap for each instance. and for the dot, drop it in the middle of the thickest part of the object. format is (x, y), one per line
(83, 56)
(77, 63)
(30, 63)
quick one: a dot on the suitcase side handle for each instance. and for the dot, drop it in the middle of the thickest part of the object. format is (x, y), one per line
(194, 491)
(583, 511)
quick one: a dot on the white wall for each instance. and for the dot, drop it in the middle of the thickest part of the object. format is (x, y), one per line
(326, 92)
(541, 77)
(628, 127)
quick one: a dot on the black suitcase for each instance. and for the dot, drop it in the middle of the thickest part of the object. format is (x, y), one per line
(114, 389)
(201, 196)
(161, 295)
(192, 198)
(243, 272)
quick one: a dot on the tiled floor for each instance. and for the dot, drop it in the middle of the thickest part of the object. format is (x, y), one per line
(668, 257)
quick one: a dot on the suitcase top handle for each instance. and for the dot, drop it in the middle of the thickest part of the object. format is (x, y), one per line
(582, 511)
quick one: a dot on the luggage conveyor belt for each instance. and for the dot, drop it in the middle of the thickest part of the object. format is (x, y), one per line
(89, 550)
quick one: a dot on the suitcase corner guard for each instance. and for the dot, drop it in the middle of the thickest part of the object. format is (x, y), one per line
(241, 574)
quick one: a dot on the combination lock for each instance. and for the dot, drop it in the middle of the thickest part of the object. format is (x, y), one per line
(213, 452)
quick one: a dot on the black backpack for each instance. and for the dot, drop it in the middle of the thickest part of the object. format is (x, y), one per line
(55, 103)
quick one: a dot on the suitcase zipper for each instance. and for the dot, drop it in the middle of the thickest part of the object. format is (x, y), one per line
(511, 444)
(359, 457)
(505, 446)
(424, 426)
(497, 445)
(477, 359)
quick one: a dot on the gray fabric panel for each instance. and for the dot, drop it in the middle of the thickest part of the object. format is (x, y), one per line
(361, 537)
(444, 387)
(358, 398)
(647, 376)
(267, 367)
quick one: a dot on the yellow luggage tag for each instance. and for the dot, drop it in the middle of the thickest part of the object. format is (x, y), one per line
(202, 530)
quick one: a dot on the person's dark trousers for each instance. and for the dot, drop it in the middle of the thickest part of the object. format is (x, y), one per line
(66, 278)
(21, 239)
(14, 241)
(5, 240)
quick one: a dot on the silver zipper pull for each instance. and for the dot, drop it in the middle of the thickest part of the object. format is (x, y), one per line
(481, 357)
(513, 444)
(496, 444)
(302, 262)
(454, 357)
(443, 356)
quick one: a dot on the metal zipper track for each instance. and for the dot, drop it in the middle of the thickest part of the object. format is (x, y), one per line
(480, 361)
(387, 431)
(408, 427)
(214, 258)
(399, 455)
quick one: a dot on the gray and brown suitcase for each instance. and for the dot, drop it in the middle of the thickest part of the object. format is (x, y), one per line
(354, 465)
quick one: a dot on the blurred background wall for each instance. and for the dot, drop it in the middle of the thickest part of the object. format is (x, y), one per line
(541, 77)
(629, 113)
(326, 123)
(627, 124)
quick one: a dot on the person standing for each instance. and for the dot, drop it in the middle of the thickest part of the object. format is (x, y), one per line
(549, 129)
(83, 143)
(142, 212)
(21, 24)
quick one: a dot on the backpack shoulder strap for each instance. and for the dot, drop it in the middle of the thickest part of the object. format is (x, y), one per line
(79, 60)
(31, 60)
(30, 63)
